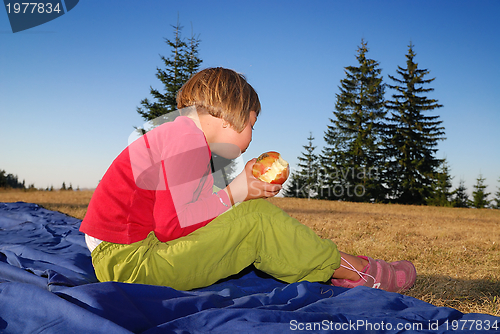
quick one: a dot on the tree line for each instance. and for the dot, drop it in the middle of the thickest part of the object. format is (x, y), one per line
(376, 150)
(10, 181)
(383, 150)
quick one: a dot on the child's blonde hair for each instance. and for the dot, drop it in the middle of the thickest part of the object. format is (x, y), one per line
(224, 93)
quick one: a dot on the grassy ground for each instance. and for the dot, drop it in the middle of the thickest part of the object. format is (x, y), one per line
(73, 203)
(456, 251)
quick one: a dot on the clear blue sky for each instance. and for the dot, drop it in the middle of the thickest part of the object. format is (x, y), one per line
(69, 88)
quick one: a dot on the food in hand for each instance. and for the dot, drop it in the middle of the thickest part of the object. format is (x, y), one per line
(270, 167)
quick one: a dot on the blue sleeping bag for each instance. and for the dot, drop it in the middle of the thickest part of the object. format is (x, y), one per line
(47, 285)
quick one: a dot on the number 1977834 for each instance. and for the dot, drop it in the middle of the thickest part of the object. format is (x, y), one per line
(32, 7)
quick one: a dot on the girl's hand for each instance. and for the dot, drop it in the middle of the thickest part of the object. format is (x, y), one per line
(246, 186)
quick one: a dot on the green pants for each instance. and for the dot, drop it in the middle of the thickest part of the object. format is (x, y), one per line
(254, 232)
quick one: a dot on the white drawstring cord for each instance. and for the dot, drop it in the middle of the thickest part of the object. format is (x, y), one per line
(361, 274)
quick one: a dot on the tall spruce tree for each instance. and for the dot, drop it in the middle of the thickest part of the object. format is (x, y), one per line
(412, 135)
(304, 182)
(460, 196)
(353, 139)
(179, 67)
(479, 195)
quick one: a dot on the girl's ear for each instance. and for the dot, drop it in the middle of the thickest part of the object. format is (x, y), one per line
(225, 124)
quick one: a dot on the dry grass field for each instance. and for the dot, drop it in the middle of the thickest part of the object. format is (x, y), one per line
(73, 203)
(456, 251)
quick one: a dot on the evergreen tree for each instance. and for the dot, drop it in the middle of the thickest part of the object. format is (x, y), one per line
(354, 137)
(412, 136)
(10, 181)
(304, 182)
(479, 196)
(3, 179)
(460, 199)
(193, 62)
(182, 64)
(497, 198)
(442, 194)
(295, 186)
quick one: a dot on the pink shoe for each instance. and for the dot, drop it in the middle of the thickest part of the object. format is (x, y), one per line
(396, 276)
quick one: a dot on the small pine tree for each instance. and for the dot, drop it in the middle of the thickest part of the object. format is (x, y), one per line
(442, 194)
(3, 179)
(497, 198)
(304, 182)
(479, 196)
(460, 199)
(63, 187)
(295, 186)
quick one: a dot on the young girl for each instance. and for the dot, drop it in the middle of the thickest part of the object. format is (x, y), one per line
(156, 219)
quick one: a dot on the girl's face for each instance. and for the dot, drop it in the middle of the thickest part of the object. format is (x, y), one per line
(229, 143)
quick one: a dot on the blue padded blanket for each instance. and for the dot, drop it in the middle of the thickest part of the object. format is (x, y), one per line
(47, 285)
